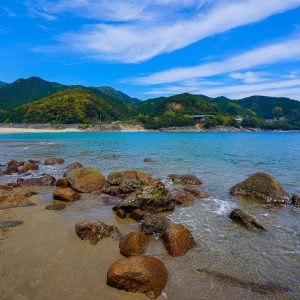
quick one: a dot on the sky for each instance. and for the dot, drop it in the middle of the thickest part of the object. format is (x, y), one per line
(152, 48)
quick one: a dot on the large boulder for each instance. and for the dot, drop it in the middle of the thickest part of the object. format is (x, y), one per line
(261, 186)
(138, 274)
(94, 231)
(28, 166)
(185, 179)
(116, 178)
(134, 243)
(152, 197)
(66, 194)
(10, 200)
(178, 240)
(246, 220)
(74, 166)
(13, 167)
(154, 225)
(62, 182)
(53, 161)
(45, 180)
(296, 200)
(86, 180)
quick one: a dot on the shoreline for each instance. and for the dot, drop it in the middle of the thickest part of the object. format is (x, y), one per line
(46, 128)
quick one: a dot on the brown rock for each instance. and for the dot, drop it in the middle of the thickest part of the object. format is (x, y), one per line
(199, 194)
(154, 224)
(10, 201)
(74, 166)
(66, 194)
(148, 160)
(59, 206)
(117, 177)
(94, 231)
(63, 182)
(45, 180)
(86, 180)
(6, 187)
(28, 167)
(296, 200)
(178, 240)
(53, 161)
(186, 179)
(137, 214)
(111, 190)
(121, 213)
(183, 199)
(248, 221)
(134, 243)
(138, 274)
(13, 167)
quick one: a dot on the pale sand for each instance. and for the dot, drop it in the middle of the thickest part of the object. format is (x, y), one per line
(5, 130)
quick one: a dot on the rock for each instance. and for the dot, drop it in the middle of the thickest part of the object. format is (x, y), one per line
(13, 167)
(13, 184)
(10, 201)
(178, 240)
(128, 186)
(261, 186)
(117, 177)
(137, 214)
(66, 194)
(148, 160)
(45, 180)
(7, 224)
(59, 206)
(296, 200)
(28, 167)
(121, 213)
(138, 274)
(183, 199)
(248, 221)
(33, 161)
(154, 224)
(94, 231)
(53, 161)
(152, 197)
(6, 187)
(21, 191)
(134, 243)
(185, 179)
(74, 166)
(111, 190)
(199, 194)
(63, 182)
(86, 180)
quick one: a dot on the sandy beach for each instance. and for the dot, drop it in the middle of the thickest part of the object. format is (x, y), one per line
(7, 130)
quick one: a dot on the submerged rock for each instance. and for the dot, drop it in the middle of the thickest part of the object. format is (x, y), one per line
(248, 221)
(66, 194)
(59, 206)
(261, 186)
(10, 201)
(178, 240)
(86, 180)
(94, 231)
(186, 179)
(152, 197)
(45, 180)
(63, 182)
(137, 214)
(7, 224)
(154, 224)
(138, 274)
(182, 199)
(117, 177)
(28, 166)
(199, 194)
(148, 160)
(134, 243)
(53, 161)
(296, 200)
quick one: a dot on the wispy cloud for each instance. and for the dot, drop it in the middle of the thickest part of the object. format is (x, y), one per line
(250, 77)
(134, 31)
(270, 54)
(8, 12)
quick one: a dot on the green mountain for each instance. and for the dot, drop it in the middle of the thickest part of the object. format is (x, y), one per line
(109, 91)
(75, 105)
(2, 84)
(23, 91)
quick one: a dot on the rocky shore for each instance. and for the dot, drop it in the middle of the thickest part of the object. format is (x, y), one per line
(140, 200)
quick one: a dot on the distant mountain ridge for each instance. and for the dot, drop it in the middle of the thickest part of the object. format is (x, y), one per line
(2, 83)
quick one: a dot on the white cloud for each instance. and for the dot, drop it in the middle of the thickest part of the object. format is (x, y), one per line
(271, 54)
(141, 29)
(249, 77)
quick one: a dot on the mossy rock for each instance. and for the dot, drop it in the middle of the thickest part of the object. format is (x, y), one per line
(261, 186)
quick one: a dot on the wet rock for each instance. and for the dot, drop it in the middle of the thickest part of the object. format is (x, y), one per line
(21, 191)
(10, 201)
(148, 160)
(121, 213)
(138, 274)
(13, 167)
(178, 240)
(128, 186)
(53, 161)
(13, 184)
(86, 180)
(183, 199)
(112, 190)
(137, 214)
(296, 200)
(59, 206)
(74, 166)
(152, 197)
(261, 186)
(199, 194)
(94, 231)
(33, 161)
(154, 225)
(186, 179)
(117, 177)
(66, 194)
(7, 224)
(134, 243)
(45, 180)
(28, 166)
(248, 221)
(63, 182)
(15, 163)
(6, 187)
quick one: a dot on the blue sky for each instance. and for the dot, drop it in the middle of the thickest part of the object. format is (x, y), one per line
(234, 48)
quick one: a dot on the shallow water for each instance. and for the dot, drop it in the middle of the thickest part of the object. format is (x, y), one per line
(220, 160)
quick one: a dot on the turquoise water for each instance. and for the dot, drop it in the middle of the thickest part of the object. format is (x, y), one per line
(220, 160)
